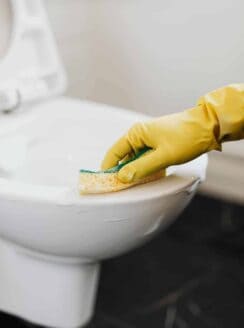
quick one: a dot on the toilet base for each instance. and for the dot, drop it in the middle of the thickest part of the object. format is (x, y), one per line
(44, 292)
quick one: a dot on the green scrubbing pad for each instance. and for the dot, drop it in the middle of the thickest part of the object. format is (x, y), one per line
(94, 182)
(119, 166)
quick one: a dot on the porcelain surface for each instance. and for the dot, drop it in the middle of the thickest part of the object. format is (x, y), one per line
(43, 149)
(51, 238)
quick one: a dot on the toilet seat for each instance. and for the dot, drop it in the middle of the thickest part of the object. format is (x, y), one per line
(31, 70)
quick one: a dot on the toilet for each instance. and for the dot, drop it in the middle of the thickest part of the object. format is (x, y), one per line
(52, 240)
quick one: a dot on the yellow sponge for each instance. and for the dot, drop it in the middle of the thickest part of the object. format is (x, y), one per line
(95, 183)
(92, 182)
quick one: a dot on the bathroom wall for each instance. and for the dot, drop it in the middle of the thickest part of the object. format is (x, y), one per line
(154, 56)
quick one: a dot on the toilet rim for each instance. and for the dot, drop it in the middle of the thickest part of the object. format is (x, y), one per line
(67, 196)
(14, 189)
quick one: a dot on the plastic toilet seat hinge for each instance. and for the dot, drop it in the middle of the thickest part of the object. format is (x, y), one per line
(13, 95)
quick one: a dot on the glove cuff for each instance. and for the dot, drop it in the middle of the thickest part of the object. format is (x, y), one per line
(226, 107)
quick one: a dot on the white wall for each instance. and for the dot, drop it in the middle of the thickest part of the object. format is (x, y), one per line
(153, 56)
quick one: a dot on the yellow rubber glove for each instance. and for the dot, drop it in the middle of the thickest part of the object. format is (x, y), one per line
(178, 138)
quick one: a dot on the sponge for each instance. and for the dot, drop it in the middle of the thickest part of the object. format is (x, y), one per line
(95, 182)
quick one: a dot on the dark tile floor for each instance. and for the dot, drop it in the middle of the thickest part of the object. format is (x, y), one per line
(190, 276)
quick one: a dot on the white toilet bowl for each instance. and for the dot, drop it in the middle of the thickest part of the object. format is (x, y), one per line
(51, 238)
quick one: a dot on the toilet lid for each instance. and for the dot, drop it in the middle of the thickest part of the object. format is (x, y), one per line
(31, 70)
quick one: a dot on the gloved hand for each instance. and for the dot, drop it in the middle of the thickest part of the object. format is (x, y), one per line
(178, 138)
